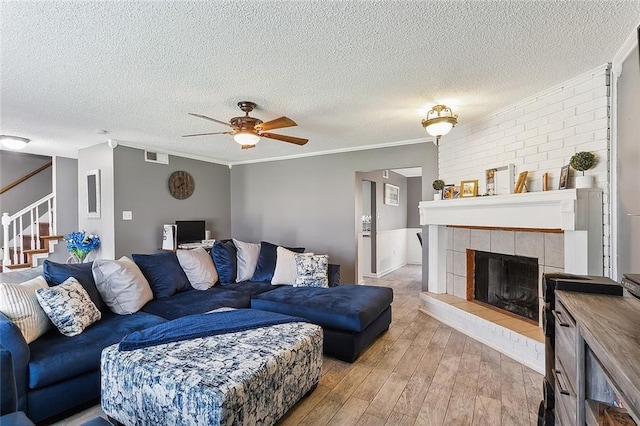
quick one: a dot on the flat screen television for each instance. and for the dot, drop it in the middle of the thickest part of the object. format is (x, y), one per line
(189, 231)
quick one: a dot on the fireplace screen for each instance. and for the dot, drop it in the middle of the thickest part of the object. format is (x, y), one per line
(507, 282)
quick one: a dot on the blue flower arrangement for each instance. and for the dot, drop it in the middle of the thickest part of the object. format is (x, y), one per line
(79, 244)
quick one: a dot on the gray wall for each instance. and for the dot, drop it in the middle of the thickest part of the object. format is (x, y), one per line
(141, 187)
(627, 163)
(389, 217)
(98, 157)
(414, 196)
(13, 166)
(66, 170)
(311, 202)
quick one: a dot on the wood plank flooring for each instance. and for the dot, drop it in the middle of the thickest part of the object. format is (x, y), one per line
(420, 372)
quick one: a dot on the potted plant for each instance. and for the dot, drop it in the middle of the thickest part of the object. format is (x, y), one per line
(80, 244)
(582, 161)
(438, 185)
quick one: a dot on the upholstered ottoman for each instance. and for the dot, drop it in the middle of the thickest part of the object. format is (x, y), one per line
(244, 378)
(351, 316)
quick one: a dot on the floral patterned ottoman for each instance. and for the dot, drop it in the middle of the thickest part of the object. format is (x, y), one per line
(242, 378)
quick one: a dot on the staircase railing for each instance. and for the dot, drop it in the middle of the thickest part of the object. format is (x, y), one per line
(25, 177)
(27, 219)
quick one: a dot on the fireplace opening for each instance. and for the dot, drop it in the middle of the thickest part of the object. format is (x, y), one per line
(507, 282)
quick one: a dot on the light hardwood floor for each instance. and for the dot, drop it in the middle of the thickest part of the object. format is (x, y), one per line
(420, 372)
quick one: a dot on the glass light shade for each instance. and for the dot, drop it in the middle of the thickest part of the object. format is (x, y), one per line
(246, 138)
(439, 129)
(13, 142)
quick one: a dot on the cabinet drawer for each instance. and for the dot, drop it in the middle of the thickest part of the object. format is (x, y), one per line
(566, 342)
(566, 401)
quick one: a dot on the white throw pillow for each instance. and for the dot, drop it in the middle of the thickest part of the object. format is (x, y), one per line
(198, 266)
(19, 303)
(69, 307)
(247, 259)
(121, 284)
(313, 271)
(286, 270)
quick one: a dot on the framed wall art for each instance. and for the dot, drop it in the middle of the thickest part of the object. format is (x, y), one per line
(391, 195)
(93, 193)
(500, 180)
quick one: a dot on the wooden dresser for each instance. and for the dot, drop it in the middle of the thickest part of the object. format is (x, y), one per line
(597, 355)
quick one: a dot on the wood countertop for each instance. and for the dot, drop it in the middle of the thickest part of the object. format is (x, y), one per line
(610, 325)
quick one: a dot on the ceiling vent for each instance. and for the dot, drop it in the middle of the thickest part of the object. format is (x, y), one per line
(156, 157)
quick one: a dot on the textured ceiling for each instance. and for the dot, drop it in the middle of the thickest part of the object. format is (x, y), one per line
(351, 74)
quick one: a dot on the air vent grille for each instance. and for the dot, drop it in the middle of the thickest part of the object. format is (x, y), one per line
(156, 157)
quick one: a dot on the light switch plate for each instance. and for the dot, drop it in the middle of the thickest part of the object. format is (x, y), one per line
(127, 215)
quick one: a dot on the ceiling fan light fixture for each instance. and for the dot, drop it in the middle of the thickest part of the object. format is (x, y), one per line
(439, 121)
(13, 142)
(246, 138)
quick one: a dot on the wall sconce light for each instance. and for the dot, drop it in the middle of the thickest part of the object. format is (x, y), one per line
(13, 142)
(440, 120)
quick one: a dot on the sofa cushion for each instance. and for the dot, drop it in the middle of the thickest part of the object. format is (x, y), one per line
(198, 266)
(121, 284)
(57, 273)
(247, 259)
(224, 257)
(164, 273)
(197, 302)
(312, 270)
(19, 303)
(55, 357)
(286, 271)
(250, 287)
(266, 265)
(346, 307)
(69, 307)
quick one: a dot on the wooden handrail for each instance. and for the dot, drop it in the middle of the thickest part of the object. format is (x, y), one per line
(25, 177)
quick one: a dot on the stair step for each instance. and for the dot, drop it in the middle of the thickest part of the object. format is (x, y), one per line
(37, 251)
(19, 266)
(51, 237)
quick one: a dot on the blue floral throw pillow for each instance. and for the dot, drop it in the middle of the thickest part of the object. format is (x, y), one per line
(312, 270)
(69, 307)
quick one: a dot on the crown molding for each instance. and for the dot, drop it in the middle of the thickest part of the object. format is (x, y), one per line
(333, 151)
(625, 50)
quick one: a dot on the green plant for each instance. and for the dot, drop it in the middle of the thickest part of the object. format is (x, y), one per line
(438, 184)
(582, 161)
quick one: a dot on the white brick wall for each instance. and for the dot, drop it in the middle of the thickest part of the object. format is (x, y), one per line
(538, 134)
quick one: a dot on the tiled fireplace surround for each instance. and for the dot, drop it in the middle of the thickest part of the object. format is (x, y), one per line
(562, 229)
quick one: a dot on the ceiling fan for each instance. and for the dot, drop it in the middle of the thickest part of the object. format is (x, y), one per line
(247, 130)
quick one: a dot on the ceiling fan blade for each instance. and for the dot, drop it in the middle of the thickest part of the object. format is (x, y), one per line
(207, 134)
(248, 146)
(278, 123)
(285, 138)
(210, 119)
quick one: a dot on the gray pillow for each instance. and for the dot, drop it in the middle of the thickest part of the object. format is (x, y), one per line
(247, 259)
(121, 284)
(198, 266)
(69, 307)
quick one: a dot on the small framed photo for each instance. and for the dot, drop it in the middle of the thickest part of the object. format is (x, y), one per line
(468, 188)
(447, 191)
(521, 183)
(391, 195)
(564, 177)
(455, 192)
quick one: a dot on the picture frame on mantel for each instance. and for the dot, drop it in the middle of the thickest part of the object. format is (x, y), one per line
(391, 195)
(564, 177)
(500, 180)
(468, 188)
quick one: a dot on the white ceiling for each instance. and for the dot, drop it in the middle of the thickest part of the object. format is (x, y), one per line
(351, 74)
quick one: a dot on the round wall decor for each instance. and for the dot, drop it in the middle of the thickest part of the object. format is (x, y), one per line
(181, 185)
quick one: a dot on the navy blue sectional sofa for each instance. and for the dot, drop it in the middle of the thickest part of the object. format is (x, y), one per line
(56, 373)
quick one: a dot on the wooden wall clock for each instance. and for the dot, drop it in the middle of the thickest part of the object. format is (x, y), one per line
(181, 185)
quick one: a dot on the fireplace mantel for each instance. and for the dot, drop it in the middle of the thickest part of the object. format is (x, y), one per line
(568, 210)
(576, 212)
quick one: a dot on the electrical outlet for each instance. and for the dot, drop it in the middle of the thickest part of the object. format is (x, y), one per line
(127, 215)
